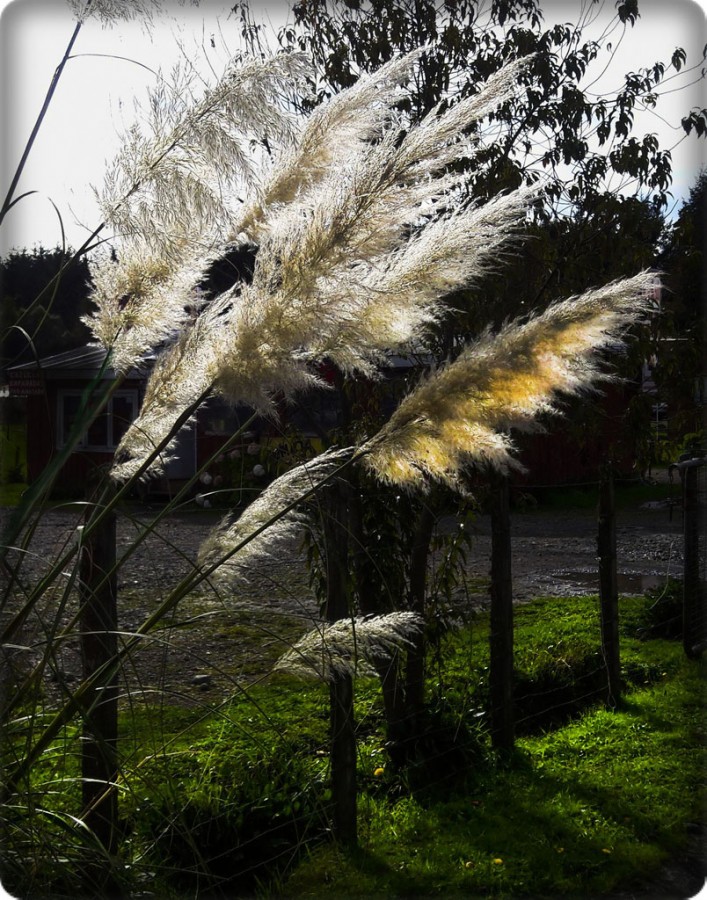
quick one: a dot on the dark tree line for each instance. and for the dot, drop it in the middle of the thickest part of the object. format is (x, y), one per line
(681, 369)
(41, 315)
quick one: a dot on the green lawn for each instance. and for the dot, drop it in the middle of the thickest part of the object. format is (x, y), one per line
(234, 797)
(586, 809)
(592, 801)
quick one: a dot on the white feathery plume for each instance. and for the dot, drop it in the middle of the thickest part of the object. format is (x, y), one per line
(170, 193)
(350, 646)
(236, 546)
(395, 302)
(244, 346)
(287, 317)
(342, 126)
(141, 302)
(363, 209)
(330, 253)
(431, 145)
(336, 274)
(462, 411)
(110, 11)
(335, 285)
(182, 375)
(191, 162)
(358, 308)
(258, 346)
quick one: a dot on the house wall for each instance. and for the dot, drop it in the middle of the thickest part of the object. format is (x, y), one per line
(43, 430)
(576, 446)
(40, 434)
(572, 451)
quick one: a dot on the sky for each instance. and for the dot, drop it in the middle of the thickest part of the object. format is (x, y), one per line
(112, 66)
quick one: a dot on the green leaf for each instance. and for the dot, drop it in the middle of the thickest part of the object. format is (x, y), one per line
(678, 58)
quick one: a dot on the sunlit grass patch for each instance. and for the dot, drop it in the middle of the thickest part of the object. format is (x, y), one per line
(593, 806)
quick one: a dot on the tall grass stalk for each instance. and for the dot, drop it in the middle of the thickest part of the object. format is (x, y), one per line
(354, 255)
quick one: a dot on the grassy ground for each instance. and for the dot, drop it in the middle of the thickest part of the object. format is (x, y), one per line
(233, 798)
(593, 806)
(592, 801)
(629, 493)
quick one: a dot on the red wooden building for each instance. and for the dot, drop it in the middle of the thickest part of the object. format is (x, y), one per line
(51, 390)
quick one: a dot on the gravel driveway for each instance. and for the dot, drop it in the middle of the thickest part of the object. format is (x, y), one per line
(555, 553)
(213, 643)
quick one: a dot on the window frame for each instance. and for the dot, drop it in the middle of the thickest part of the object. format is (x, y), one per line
(129, 394)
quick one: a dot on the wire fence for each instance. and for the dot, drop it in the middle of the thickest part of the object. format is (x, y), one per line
(187, 834)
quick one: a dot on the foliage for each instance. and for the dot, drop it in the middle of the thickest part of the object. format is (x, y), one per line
(41, 316)
(220, 780)
(679, 361)
(222, 825)
(595, 805)
(662, 613)
(557, 125)
(341, 264)
(609, 237)
(207, 781)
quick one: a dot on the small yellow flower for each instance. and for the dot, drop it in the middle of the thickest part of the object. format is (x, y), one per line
(378, 772)
(498, 862)
(560, 849)
(605, 850)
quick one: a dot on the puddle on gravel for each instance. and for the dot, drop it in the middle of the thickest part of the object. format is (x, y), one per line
(627, 584)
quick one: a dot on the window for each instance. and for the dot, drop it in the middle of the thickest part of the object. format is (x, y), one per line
(105, 432)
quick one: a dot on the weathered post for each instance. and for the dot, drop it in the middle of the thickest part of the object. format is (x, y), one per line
(341, 695)
(415, 671)
(370, 603)
(692, 606)
(99, 624)
(608, 586)
(501, 639)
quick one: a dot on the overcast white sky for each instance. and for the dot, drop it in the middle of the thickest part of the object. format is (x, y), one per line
(94, 102)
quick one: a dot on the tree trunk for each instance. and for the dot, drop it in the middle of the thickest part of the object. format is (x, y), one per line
(370, 603)
(415, 672)
(501, 638)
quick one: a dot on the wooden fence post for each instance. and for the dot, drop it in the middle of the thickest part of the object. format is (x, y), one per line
(98, 639)
(341, 694)
(501, 638)
(415, 669)
(608, 586)
(692, 608)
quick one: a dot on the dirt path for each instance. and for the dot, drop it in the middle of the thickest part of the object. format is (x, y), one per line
(215, 642)
(555, 553)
